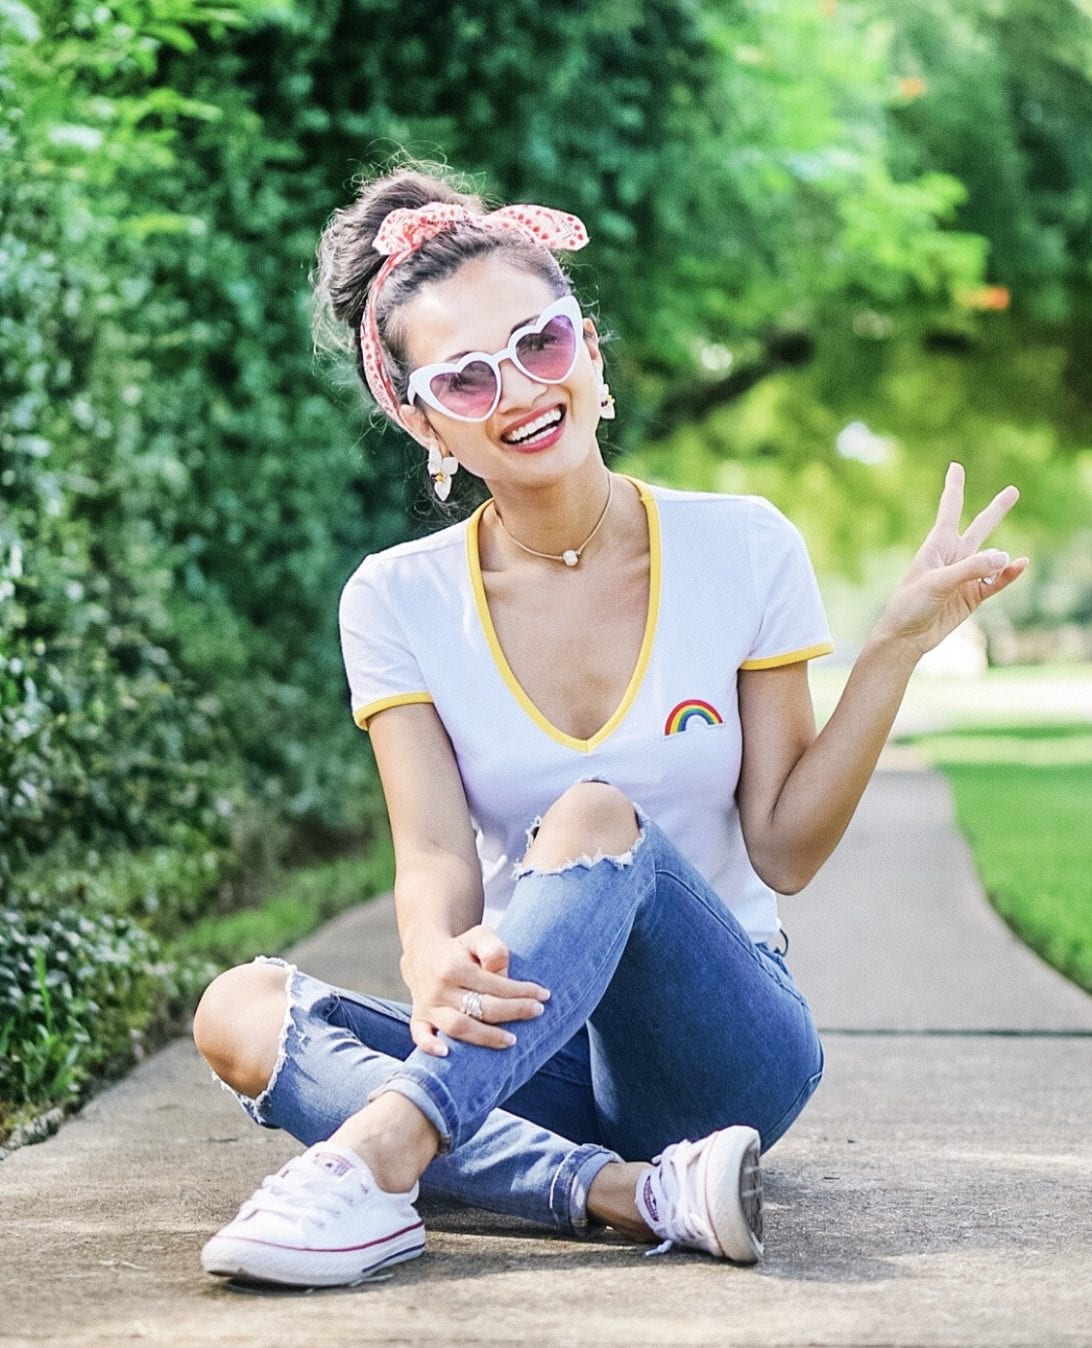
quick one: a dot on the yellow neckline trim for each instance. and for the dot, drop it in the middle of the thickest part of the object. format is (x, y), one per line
(473, 558)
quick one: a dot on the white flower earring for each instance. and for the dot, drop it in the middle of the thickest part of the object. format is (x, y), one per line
(441, 469)
(606, 402)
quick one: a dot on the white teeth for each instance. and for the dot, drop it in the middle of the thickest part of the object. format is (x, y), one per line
(534, 427)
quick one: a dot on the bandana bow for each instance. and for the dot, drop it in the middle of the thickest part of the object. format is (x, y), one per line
(404, 231)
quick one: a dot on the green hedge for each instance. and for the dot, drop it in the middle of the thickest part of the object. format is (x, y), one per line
(83, 992)
(74, 995)
(181, 498)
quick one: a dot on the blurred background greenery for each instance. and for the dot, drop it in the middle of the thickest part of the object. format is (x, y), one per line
(837, 243)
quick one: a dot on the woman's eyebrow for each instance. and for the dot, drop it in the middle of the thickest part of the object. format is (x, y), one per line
(514, 328)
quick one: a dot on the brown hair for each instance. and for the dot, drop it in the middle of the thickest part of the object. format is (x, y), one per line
(348, 264)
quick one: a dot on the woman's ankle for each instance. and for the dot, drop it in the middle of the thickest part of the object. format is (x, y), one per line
(393, 1138)
(611, 1198)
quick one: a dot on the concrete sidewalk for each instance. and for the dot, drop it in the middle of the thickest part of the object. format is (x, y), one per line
(937, 1191)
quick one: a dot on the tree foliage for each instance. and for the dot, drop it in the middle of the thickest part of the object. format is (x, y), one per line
(854, 442)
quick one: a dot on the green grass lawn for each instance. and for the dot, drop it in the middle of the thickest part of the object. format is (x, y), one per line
(302, 901)
(1023, 799)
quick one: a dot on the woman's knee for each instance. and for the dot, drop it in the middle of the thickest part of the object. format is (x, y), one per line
(590, 819)
(237, 1024)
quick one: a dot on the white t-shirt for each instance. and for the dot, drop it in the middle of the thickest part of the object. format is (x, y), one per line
(731, 587)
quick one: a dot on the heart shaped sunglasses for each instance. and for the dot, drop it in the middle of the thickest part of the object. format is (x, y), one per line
(469, 389)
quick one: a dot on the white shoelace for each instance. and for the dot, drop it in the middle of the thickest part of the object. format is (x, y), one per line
(298, 1192)
(678, 1221)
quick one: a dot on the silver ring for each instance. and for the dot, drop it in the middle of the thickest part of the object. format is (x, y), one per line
(472, 1005)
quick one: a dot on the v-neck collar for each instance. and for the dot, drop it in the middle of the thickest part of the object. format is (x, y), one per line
(473, 557)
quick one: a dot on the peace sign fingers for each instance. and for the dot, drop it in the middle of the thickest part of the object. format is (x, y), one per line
(987, 520)
(951, 499)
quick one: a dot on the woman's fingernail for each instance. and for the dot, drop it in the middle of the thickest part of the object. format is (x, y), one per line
(509, 1040)
(537, 1009)
(441, 1050)
(544, 995)
(998, 558)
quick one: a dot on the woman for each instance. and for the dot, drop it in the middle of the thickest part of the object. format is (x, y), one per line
(590, 712)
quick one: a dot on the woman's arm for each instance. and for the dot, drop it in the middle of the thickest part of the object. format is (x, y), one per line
(438, 888)
(798, 790)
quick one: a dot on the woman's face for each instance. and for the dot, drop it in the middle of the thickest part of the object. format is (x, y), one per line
(477, 309)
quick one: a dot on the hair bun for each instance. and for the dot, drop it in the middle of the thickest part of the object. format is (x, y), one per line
(347, 261)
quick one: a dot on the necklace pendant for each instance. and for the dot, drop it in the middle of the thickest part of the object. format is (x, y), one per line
(570, 557)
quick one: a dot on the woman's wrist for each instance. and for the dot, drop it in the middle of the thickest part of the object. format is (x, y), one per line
(434, 905)
(891, 650)
(422, 937)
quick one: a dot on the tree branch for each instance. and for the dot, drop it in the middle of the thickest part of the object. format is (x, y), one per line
(694, 401)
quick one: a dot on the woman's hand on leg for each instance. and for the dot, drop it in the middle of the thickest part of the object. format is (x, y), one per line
(440, 971)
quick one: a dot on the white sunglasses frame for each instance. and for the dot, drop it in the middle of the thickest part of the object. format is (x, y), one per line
(422, 377)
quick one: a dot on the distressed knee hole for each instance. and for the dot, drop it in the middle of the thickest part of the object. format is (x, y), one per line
(592, 821)
(240, 1024)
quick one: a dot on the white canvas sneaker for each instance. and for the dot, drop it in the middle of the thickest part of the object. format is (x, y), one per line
(707, 1195)
(321, 1221)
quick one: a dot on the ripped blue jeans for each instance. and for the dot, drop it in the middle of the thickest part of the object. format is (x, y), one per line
(665, 1021)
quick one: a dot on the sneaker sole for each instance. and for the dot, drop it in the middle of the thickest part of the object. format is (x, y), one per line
(734, 1194)
(289, 1266)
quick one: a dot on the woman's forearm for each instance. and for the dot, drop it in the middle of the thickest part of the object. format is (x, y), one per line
(437, 896)
(949, 578)
(825, 786)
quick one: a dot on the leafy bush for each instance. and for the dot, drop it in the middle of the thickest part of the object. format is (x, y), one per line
(83, 993)
(76, 992)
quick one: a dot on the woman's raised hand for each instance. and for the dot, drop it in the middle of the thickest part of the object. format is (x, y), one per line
(950, 575)
(439, 971)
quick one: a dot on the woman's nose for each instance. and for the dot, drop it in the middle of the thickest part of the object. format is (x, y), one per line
(516, 388)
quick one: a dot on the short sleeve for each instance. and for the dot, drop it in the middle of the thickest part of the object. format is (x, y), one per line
(380, 666)
(791, 624)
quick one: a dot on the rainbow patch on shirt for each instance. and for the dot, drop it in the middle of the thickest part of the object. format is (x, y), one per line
(693, 709)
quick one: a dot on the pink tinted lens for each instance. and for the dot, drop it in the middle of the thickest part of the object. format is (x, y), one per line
(467, 393)
(549, 354)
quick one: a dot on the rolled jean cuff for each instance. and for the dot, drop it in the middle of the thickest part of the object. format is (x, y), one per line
(571, 1185)
(431, 1097)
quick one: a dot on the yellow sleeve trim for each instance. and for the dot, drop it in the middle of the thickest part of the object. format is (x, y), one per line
(363, 714)
(790, 658)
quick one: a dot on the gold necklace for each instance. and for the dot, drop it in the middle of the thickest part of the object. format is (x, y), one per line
(571, 556)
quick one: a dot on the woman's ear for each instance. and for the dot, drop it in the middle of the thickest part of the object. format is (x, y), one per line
(416, 424)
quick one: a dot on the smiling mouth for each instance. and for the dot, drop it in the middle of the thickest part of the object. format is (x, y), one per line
(533, 431)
